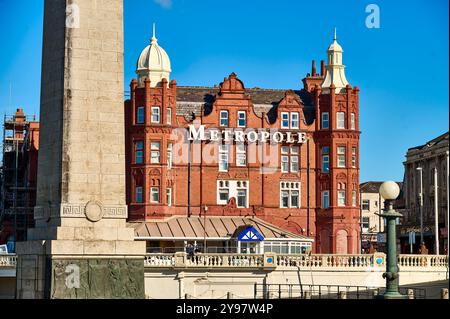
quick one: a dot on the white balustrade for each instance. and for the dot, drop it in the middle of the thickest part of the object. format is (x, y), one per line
(8, 260)
(313, 261)
(159, 260)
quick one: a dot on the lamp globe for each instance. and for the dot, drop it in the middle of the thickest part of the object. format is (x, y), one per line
(389, 190)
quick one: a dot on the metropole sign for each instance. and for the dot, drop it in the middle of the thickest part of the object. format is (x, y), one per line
(201, 133)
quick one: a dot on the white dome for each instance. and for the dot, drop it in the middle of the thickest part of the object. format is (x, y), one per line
(335, 47)
(153, 63)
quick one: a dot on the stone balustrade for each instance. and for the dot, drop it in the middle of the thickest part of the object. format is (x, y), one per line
(272, 260)
(279, 260)
(8, 261)
(429, 261)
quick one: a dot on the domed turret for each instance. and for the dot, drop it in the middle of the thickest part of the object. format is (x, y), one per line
(153, 63)
(335, 69)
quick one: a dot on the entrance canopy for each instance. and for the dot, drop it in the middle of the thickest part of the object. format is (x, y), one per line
(218, 228)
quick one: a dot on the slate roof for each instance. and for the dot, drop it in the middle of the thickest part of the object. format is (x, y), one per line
(374, 187)
(192, 99)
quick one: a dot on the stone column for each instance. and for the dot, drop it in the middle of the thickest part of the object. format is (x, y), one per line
(81, 246)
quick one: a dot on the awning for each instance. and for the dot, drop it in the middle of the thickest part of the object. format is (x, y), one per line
(217, 228)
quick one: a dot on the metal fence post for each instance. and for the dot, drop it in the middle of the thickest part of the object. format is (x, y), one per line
(307, 294)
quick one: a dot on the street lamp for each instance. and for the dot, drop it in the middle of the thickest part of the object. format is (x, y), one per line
(420, 169)
(390, 191)
(204, 228)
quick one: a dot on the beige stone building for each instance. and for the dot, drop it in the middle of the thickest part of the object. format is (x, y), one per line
(420, 165)
(372, 225)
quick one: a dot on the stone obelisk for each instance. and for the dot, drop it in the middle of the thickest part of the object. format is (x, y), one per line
(81, 247)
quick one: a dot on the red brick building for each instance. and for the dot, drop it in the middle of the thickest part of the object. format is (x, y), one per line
(308, 187)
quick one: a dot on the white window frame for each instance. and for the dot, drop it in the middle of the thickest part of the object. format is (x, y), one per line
(297, 120)
(239, 119)
(155, 152)
(325, 195)
(140, 115)
(354, 198)
(156, 114)
(169, 116)
(365, 204)
(352, 121)
(341, 156)
(169, 196)
(240, 190)
(325, 120)
(295, 150)
(353, 157)
(290, 188)
(285, 124)
(241, 155)
(169, 155)
(224, 158)
(340, 120)
(154, 191)
(226, 118)
(341, 198)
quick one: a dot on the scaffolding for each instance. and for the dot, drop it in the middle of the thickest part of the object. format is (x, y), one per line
(18, 187)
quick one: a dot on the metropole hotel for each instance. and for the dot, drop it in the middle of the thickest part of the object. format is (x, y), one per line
(305, 199)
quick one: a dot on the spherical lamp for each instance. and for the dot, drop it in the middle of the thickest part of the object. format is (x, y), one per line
(389, 190)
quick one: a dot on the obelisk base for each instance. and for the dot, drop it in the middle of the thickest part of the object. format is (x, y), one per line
(46, 271)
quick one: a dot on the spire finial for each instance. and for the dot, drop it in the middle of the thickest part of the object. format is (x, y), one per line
(335, 37)
(154, 34)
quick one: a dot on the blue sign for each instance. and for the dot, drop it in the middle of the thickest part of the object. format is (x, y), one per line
(250, 234)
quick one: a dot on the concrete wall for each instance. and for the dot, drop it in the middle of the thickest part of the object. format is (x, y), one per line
(173, 284)
(7, 287)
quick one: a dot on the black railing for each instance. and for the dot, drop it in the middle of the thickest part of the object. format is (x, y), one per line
(306, 291)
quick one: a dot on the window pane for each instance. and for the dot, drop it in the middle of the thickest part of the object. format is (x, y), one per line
(341, 198)
(325, 199)
(242, 198)
(284, 164)
(325, 150)
(325, 120)
(294, 164)
(223, 118)
(139, 197)
(223, 195)
(155, 115)
(169, 116)
(325, 164)
(241, 119)
(294, 120)
(340, 117)
(285, 150)
(155, 194)
(294, 199)
(140, 115)
(284, 199)
(353, 121)
(169, 197)
(285, 120)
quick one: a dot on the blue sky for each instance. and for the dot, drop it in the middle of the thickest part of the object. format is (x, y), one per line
(401, 68)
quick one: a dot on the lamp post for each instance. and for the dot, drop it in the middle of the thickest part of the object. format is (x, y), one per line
(421, 204)
(390, 191)
(204, 228)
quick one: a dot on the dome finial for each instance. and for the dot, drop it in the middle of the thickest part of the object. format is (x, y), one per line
(154, 40)
(335, 37)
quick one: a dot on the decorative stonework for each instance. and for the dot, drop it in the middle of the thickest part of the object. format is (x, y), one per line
(94, 211)
(91, 211)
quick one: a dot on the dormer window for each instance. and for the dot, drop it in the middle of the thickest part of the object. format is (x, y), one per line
(224, 118)
(284, 120)
(294, 120)
(242, 119)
